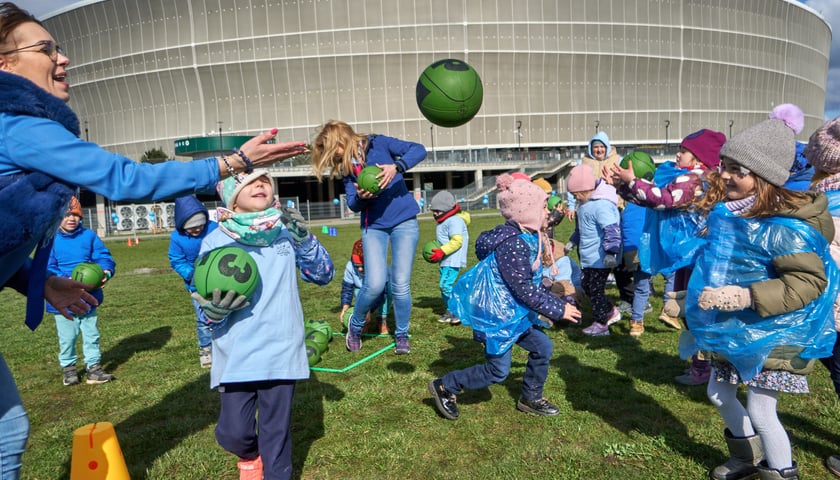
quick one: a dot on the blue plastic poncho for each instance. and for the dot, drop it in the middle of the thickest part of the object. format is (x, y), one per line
(671, 237)
(739, 252)
(482, 301)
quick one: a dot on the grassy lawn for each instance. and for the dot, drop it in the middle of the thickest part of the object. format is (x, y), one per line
(622, 416)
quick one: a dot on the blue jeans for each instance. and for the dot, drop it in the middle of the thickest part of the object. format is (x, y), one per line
(497, 368)
(641, 294)
(202, 328)
(68, 332)
(403, 239)
(448, 275)
(14, 425)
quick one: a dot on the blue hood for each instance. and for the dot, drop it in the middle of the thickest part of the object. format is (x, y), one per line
(601, 137)
(186, 207)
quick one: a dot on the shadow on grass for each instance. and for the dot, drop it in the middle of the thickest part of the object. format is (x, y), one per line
(127, 347)
(805, 434)
(614, 398)
(308, 417)
(435, 304)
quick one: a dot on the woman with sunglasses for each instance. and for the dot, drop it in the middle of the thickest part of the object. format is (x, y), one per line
(42, 161)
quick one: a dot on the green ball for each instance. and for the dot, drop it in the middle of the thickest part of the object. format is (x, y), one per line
(427, 249)
(312, 353)
(320, 325)
(643, 165)
(89, 273)
(346, 318)
(367, 180)
(449, 93)
(319, 338)
(226, 268)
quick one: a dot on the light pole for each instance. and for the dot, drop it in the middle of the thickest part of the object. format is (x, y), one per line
(432, 133)
(87, 136)
(597, 124)
(731, 122)
(667, 124)
(519, 138)
(221, 148)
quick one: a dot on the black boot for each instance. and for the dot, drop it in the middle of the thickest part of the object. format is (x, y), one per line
(744, 455)
(767, 473)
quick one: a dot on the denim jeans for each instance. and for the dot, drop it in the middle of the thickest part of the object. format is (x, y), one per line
(68, 332)
(403, 239)
(641, 295)
(497, 368)
(14, 425)
(832, 363)
(202, 328)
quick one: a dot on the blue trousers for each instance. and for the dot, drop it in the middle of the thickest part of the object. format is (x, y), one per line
(68, 332)
(497, 368)
(448, 275)
(242, 432)
(202, 328)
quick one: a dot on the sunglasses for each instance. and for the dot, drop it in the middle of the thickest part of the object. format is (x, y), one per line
(48, 48)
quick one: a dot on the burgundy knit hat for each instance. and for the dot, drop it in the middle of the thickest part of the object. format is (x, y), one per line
(823, 150)
(705, 145)
(521, 201)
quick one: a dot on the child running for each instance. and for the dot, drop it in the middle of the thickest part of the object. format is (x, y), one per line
(500, 298)
(761, 296)
(258, 346)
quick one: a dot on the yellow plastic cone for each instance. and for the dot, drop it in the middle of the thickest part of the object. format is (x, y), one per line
(97, 454)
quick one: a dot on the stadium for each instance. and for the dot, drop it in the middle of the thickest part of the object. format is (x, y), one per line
(193, 78)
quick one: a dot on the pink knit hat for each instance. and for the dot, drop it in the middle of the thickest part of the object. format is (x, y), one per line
(823, 150)
(705, 145)
(581, 179)
(522, 201)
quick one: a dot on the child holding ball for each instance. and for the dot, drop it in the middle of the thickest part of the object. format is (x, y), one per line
(258, 343)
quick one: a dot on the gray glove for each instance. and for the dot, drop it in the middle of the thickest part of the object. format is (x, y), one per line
(220, 307)
(728, 298)
(295, 223)
(569, 247)
(610, 260)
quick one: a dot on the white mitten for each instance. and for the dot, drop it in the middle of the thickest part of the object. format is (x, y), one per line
(728, 298)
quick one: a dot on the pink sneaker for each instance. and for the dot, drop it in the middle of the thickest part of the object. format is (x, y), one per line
(250, 469)
(597, 329)
(615, 316)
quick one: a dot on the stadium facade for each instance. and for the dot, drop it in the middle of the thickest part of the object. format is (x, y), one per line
(147, 73)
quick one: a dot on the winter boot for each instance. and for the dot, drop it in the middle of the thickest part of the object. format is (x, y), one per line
(744, 455)
(767, 473)
(71, 377)
(698, 374)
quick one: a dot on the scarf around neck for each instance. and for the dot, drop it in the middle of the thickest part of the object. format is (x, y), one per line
(258, 229)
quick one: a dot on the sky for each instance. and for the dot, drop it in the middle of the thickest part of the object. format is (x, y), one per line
(829, 9)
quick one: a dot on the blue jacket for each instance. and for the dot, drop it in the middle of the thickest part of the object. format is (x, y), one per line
(265, 340)
(352, 281)
(598, 230)
(183, 247)
(395, 204)
(79, 246)
(632, 225)
(41, 150)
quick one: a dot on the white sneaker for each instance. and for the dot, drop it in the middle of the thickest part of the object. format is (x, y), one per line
(597, 330)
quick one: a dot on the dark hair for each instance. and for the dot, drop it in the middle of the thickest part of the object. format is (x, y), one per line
(11, 17)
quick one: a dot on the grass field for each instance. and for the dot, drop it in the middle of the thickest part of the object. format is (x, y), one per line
(622, 416)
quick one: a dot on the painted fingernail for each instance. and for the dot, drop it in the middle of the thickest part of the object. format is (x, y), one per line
(274, 131)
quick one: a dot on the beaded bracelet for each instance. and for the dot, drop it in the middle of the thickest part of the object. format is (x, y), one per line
(230, 169)
(249, 165)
